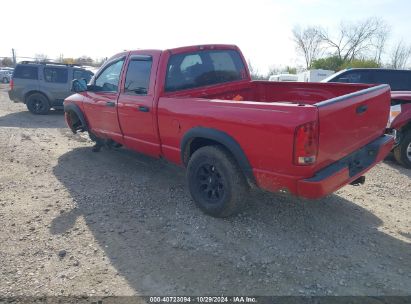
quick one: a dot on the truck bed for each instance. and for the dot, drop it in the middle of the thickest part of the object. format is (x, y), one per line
(262, 117)
(269, 91)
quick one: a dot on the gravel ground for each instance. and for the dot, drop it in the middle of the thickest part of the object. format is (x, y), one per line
(119, 223)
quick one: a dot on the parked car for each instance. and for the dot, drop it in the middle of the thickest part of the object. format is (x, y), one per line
(400, 118)
(42, 86)
(5, 75)
(197, 107)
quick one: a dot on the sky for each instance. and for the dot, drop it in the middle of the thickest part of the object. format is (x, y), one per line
(261, 28)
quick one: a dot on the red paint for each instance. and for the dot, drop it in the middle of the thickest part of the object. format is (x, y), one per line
(404, 118)
(263, 117)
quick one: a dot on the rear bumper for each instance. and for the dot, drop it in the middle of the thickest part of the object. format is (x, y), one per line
(346, 170)
(13, 96)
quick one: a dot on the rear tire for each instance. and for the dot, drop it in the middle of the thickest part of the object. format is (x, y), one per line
(215, 181)
(402, 152)
(38, 104)
(5, 80)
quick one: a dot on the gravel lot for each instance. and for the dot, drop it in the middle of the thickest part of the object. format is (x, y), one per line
(119, 223)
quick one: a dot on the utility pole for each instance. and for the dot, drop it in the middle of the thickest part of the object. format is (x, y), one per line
(14, 57)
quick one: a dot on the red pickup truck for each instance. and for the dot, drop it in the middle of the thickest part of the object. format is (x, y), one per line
(197, 107)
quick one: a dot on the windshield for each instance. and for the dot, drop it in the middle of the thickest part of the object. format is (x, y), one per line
(330, 78)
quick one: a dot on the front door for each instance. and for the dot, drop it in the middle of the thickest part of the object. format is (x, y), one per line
(100, 103)
(136, 109)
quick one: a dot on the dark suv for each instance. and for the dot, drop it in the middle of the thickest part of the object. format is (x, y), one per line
(399, 80)
(42, 86)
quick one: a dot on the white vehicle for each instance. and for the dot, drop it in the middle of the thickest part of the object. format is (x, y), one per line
(314, 75)
(5, 75)
(283, 77)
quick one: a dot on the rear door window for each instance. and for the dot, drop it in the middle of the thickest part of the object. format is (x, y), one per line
(138, 76)
(398, 80)
(354, 77)
(25, 72)
(81, 74)
(55, 75)
(202, 68)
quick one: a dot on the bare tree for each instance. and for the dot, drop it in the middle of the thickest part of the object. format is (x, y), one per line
(274, 70)
(380, 42)
(309, 43)
(7, 62)
(41, 57)
(400, 55)
(254, 73)
(355, 39)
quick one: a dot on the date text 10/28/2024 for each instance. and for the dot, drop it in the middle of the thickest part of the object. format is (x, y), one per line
(205, 299)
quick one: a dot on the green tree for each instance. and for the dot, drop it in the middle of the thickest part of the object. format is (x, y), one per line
(332, 63)
(360, 63)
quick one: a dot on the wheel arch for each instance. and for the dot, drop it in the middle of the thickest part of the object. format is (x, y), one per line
(407, 127)
(200, 137)
(70, 109)
(33, 91)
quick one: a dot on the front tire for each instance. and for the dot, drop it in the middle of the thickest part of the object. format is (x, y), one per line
(402, 152)
(215, 181)
(38, 104)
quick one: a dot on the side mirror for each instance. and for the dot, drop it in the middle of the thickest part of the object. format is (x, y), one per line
(78, 85)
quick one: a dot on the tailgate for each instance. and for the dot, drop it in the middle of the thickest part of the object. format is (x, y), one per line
(349, 122)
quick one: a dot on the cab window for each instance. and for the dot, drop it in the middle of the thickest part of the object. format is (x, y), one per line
(81, 74)
(25, 72)
(138, 76)
(203, 68)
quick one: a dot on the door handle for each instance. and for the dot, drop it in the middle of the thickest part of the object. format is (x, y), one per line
(110, 104)
(143, 109)
(361, 109)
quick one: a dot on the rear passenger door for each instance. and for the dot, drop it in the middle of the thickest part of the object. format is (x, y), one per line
(136, 110)
(398, 80)
(55, 83)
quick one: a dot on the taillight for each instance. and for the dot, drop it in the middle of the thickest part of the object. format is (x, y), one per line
(11, 84)
(394, 112)
(306, 144)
